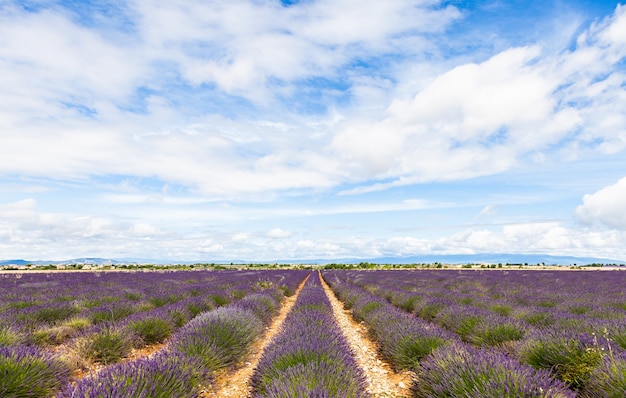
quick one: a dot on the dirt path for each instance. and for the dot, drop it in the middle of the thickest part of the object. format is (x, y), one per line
(237, 383)
(382, 380)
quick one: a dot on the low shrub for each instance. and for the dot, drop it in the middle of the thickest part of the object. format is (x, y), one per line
(539, 318)
(52, 335)
(261, 304)
(9, 336)
(501, 309)
(219, 300)
(486, 333)
(107, 345)
(28, 372)
(166, 375)
(608, 380)
(218, 338)
(462, 371)
(55, 314)
(152, 330)
(111, 314)
(571, 358)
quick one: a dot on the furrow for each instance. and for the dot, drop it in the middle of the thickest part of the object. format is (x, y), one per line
(382, 381)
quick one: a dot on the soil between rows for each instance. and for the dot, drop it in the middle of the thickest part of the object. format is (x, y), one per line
(236, 383)
(382, 381)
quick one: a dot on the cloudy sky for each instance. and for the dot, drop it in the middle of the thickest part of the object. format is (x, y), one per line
(264, 129)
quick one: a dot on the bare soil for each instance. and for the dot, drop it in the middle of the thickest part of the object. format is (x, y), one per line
(381, 379)
(236, 383)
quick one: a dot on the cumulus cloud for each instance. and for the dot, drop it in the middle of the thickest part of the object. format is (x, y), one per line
(246, 101)
(607, 206)
(27, 230)
(82, 102)
(485, 118)
(278, 233)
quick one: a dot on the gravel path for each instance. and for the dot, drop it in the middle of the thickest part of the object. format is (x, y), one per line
(382, 380)
(236, 383)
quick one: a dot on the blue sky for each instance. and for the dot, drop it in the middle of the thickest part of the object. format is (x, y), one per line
(263, 130)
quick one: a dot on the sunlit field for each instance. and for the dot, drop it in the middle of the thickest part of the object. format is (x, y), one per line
(455, 332)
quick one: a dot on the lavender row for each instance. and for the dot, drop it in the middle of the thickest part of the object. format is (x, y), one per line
(48, 309)
(577, 349)
(458, 303)
(444, 365)
(310, 356)
(109, 341)
(558, 300)
(213, 340)
(403, 339)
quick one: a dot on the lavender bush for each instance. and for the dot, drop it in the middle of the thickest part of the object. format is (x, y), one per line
(218, 338)
(404, 339)
(571, 357)
(310, 357)
(30, 372)
(609, 379)
(163, 376)
(462, 371)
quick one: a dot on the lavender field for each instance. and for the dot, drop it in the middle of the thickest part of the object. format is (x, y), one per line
(459, 333)
(496, 333)
(76, 334)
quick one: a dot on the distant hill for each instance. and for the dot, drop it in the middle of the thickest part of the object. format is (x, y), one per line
(490, 258)
(493, 258)
(14, 262)
(84, 260)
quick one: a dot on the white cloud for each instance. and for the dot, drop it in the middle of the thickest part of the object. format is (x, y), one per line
(278, 233)
(242, 102)
(472, 120)
(250, 43)
(607, 206)
(241, 237)
(481, 119)
(488, 211)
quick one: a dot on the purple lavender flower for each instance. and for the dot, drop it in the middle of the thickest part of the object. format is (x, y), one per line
(462, 371)
(30, 372)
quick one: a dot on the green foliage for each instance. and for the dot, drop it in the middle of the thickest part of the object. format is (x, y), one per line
(409, 351)
(501, 309)
(287, 292)
(55, 314)
(219, 300)
(152, 330)
(111, 315)
(8, 336)
(367, 308)
(571, 362)
(429, 311)
(410, 303)
(218, 338)
(179, 317)
(25, 376)
(24, 304)
(619, 337)
(578, 309)
(539, 319)
(107, 346)
(491, 335)
(160, 301)
(51, 336)
(238, 294)
(608, 380)
(132, 296)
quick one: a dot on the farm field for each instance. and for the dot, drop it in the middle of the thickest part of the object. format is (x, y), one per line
(284, 333)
